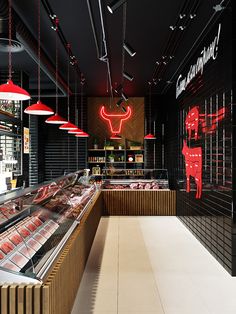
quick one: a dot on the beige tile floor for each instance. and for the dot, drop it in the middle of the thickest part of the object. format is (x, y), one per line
(147, 265)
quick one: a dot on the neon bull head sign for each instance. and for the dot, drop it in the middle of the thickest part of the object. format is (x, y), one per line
(115, 120)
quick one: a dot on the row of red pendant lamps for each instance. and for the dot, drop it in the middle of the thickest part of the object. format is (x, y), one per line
(12, 92)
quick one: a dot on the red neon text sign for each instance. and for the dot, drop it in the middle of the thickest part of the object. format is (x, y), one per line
(115, 120)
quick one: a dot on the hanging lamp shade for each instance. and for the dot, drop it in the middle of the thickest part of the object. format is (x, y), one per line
(84, 134)
(115, 137)
(39, 109)
(56, 119)
(77, 131)
(149, 137)
(10, 91)
(68, 126)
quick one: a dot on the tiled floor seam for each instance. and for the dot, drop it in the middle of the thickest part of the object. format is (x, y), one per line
(118, 266)
(153, 274)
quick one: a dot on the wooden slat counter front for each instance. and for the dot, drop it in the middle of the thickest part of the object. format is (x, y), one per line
(139, 202)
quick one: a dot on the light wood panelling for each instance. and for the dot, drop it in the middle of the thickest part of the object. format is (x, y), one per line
(139, 203)
(132, 129)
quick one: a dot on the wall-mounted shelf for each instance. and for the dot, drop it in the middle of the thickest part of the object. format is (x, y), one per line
(103, 154)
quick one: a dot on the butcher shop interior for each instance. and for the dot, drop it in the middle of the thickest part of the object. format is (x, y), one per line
(117, 157)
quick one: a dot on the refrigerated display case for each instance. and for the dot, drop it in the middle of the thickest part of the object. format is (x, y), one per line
(136, 179)
(35, 224)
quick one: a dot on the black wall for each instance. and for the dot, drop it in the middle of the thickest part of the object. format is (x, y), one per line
(58, 152)
(208, 218)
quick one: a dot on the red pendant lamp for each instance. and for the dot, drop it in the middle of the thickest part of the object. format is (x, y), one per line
(39, 108)
(115, 137)
(150, 136)
(68, 125)
(10, 91)
(76, 131)
(84, 134)
(56, 118)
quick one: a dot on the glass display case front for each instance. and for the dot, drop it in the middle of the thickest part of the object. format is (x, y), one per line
(136, 179)
(35, 226)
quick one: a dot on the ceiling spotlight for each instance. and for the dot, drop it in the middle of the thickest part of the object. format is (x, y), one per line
(115, 5)
(149, 83)
(119, 102)
(172, 27)
(129, 49)
(169, 82)
(124, 96)
(123, 109)
(218, 8)
(182, 27)
(118, 89)
(171, 57)
(157, 62)
(164, 62)
(181, 16)
(192, 16)
(128, 76)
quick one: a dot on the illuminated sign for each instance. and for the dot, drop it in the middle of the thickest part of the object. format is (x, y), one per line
(115, 120)
(206, 55)
(193, 166)
(191, 122)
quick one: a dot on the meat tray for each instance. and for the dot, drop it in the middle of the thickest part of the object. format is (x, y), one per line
(19, 260)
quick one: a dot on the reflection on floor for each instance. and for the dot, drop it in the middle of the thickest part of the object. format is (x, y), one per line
(150, 265)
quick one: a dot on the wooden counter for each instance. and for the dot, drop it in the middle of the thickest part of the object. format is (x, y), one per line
(139, 202)
(57, 294)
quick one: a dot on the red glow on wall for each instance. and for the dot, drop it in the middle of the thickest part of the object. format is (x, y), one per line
(213, 118)
(115, 120)
(193, 165)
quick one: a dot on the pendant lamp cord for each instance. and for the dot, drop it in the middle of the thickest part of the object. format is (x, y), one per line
(39, 51)
(56, 32)
(150, 116)
(68, 81)
(81, 103)
(10, 39)
(123, 51)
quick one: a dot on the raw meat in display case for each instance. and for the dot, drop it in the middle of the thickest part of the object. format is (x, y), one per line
(16, 238)
(35, 226)
(6, 246)
(1, 255)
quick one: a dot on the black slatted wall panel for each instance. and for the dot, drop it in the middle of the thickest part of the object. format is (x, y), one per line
(208, 218)
(64, 153)
(234, 138)
(34, 150)
(153, 148)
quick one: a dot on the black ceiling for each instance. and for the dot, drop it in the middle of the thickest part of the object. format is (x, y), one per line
(147, 31)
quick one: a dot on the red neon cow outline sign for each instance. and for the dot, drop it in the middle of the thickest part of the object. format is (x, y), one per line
(121, 117)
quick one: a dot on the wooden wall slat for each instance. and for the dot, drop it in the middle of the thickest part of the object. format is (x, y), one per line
(20, 299)
(12, 299)
(29, 299)
(4, 299)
